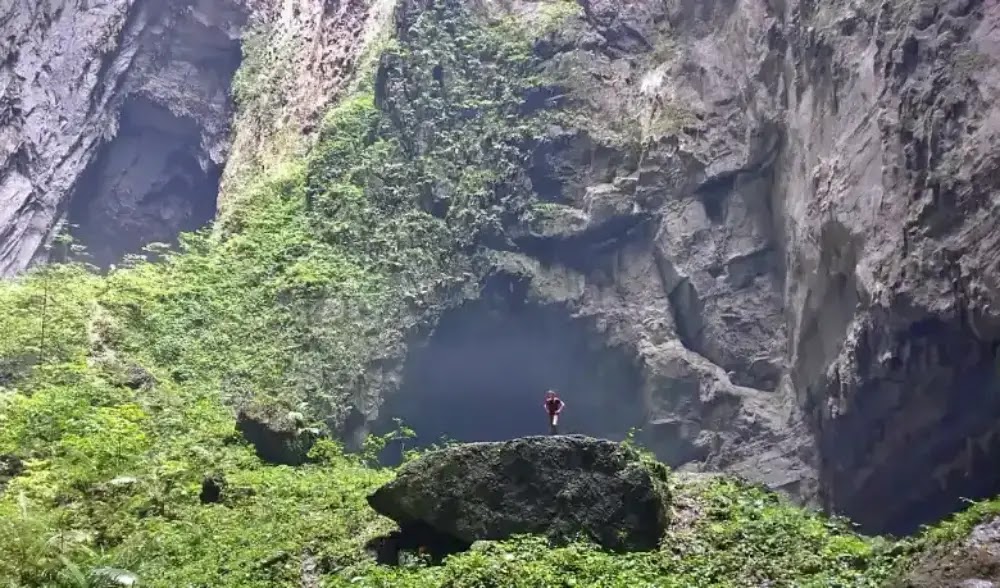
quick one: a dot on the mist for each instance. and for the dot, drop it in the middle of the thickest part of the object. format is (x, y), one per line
(483, 373)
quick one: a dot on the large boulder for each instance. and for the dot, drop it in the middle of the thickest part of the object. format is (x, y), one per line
(279, 437)
(560, 487)
(973, 562)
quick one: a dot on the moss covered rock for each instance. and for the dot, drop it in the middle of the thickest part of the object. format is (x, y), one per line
(278, 438)
(560, 487)
(10, 467)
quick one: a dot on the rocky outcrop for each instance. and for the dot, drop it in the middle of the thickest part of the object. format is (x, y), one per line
(904, 229)
(303, 55)
(649, 276)
(121, 107)
(115, 115)
(278, 437)
(973, 562)
(771, 227)
(553, 486)
(866, 129)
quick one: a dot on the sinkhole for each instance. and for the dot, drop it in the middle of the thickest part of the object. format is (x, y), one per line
(483, 372)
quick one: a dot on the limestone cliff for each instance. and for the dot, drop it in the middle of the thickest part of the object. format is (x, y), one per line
(785, 212)
(115, 114)
(768, 236)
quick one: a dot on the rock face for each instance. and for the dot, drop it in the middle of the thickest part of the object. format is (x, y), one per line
(554, 486)
(305, 54)
(770, 242)
(115, 115)
(892, 255)
(972, 563)
(793, 234)
(120, 106)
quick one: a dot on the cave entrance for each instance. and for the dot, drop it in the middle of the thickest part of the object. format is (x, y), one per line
(483, 373)
(159, 175)
(148, 184)
(923, 438)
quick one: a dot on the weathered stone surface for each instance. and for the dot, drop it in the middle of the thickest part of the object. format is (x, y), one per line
(278, 437)
(554, 486)
(973, 562)
(659, 238)
(115, 114)
(310, 52)
(122, 106)
(826, 236)
(784, 213)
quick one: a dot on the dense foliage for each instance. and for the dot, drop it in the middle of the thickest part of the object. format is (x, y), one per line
(118, 391)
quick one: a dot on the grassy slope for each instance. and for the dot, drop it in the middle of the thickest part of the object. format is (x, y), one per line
(118, 391)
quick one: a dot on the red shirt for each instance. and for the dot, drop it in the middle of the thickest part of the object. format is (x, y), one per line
(553, 405)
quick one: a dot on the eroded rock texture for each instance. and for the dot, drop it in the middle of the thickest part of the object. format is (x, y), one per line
(277, 438)
(120, 106)
(554, 486)
(972, 562)
(306, 54)
(770, 241)
(786, 214)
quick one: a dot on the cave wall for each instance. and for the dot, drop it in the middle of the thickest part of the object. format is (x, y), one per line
(828, 232)
(900, 223)
(483, 372)
(69, 68)
(67, 72)
(800, 246)
(145, 186)
(783, 212)
(306, 54)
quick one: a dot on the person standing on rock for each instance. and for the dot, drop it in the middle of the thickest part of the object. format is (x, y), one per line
(553, 405)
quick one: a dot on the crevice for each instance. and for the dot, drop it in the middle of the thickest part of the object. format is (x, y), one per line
(415, 540)
(580, 251)
(138, 13)
(547, 171)
(741, 270)
(714, 195)
(687, 308)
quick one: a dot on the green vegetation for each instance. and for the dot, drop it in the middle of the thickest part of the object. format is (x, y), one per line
(119, 391)
(727, 534)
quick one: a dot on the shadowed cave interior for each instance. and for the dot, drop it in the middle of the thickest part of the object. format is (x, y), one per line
(148, 184)
(482, 375)
(918, 446)
(156, 177)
